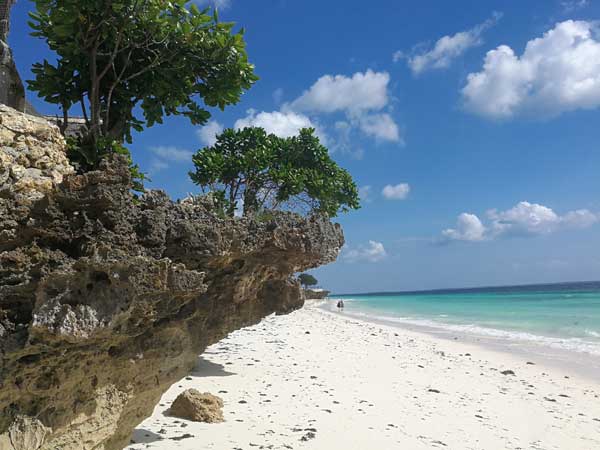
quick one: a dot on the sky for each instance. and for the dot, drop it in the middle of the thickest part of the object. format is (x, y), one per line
(471, 128)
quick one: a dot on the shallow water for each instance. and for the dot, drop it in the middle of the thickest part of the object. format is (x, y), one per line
(564, 316)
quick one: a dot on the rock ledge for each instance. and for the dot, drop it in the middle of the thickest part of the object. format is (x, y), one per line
(106, 301)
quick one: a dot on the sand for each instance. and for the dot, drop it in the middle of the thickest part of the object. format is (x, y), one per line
(318, 380)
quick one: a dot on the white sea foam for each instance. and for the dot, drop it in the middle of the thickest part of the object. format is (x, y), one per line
(571, 344)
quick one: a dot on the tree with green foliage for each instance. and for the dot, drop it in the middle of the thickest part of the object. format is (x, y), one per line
(266, 172)
(307, 280)
(119, 58)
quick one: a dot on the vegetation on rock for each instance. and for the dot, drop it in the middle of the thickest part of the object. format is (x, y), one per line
(307, 280)
(118, 57)
(252, 170)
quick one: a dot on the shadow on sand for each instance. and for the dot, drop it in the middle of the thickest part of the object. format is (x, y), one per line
(205, 368)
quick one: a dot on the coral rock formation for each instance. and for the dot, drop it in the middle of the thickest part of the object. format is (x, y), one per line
(105, 301)
(192, 405)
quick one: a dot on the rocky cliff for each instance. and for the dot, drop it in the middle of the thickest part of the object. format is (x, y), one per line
(315, 294)
(12, 92)
(105, 301)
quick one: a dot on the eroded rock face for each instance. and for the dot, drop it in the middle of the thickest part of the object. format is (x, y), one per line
(106, 301)
(12, 92)
(193, 405)
(315, 294)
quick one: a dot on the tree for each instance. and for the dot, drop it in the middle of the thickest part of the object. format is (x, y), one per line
(307, 280)
(118, 57)
(264, 171)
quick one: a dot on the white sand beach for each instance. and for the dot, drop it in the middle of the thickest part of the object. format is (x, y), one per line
(318, 380)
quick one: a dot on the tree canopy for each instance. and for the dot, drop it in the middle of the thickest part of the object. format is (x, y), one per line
(260, 171)
(119, 58)
(307, 279)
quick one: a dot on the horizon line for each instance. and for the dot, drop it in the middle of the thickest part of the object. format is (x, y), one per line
(474, 288)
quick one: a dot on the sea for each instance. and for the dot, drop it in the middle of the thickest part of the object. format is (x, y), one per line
(564, 316)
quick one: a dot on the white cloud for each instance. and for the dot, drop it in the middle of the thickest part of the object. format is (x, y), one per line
(468, 228)
(361, 97)
(379, 126)
(448, 48)
(523, 219)
(372, 252)
(165, 155)
(282, 124)
(396, 192)
(208, 133)
(172, 154)
(581, 218)
(362, 92)
(556, 73)
(364, 193)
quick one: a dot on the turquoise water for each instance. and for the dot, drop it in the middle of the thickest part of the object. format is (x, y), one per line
(562, 315)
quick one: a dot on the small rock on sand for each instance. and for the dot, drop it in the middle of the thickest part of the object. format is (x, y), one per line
(198, 407)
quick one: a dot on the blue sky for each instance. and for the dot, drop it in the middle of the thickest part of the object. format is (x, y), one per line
(471, 127)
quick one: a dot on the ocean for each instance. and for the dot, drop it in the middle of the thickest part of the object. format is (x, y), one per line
(562, 316)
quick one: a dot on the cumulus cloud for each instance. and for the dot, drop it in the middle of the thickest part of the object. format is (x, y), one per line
(362, 97)
(396, 192)
(282, 124)
(208, 133)
(523, 219)
(557, 73)
(447, 48)
(468, 228)
(360, 92)
(380, 126)
(373, 251)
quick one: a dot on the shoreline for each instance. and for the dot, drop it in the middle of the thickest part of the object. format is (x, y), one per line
(322, 381)
(583, 363)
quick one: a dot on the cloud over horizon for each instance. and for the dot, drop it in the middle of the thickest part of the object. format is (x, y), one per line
(523, 219)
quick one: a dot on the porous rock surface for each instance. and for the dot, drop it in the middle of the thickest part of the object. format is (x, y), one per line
(106, 301)
(198, 407)
(315, 294)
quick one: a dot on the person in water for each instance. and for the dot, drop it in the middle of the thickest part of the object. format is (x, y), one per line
(340, 304)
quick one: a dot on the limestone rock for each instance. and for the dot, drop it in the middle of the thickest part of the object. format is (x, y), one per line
(192, 405)
(105, 302)
(32, 156)
(315, 294)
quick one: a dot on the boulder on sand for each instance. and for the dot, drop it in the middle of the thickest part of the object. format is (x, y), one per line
(198, 407)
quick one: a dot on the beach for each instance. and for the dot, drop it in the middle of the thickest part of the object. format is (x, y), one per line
(315, 379)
